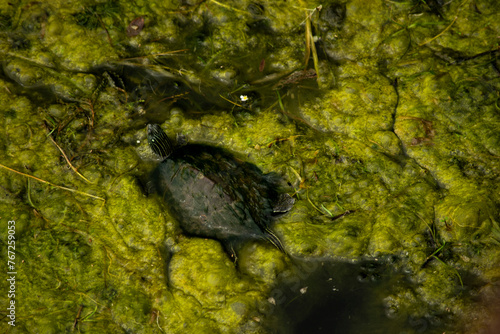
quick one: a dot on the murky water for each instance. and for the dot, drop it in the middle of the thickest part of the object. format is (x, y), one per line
(341, 297)
(386, 110)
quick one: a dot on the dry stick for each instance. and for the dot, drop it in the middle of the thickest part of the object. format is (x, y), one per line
(442, 32)
(308, 41)
(448, 27)
(67, 160)
(228, 100)
(311, 47)
(106, 30)
(309, 37)
(51, 184)
(229, 7)
(157, 54)
(77, 317)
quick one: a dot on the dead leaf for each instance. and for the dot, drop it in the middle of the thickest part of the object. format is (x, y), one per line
(135, 27)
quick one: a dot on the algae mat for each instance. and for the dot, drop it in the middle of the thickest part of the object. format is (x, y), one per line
(383, 116)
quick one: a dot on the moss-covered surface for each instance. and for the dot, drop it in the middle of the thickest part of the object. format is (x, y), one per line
(393, 152)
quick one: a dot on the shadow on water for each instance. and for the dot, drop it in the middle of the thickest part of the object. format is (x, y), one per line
(159, 91)
(341, 297)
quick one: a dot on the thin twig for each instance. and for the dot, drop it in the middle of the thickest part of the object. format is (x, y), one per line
(51, 184)
(105, 29)
(442, 32)
(309, 37)
(308, 41)
(29, 195)
(89, 314)
(67, 160)
(310, 202)
(448, 27)
(157, 54)
(229, 7)
(77, 317)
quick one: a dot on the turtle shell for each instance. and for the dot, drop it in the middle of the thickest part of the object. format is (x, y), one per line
(212, 194)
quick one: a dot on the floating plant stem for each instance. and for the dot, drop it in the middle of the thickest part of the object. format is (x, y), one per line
(52, 184)
(311, 47)
(69, 162)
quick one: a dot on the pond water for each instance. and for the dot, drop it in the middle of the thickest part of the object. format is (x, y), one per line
(382, 119)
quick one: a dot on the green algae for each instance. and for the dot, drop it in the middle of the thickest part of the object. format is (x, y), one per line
(405, 139)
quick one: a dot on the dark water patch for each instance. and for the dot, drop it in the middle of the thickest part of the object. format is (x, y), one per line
(344, 297)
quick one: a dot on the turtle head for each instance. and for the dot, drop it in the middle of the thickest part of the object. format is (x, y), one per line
(158, 141)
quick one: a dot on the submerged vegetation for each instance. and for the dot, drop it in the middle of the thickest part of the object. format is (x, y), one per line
(382, 116)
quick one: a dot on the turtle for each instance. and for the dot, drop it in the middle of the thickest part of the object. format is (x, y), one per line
(212, 194)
